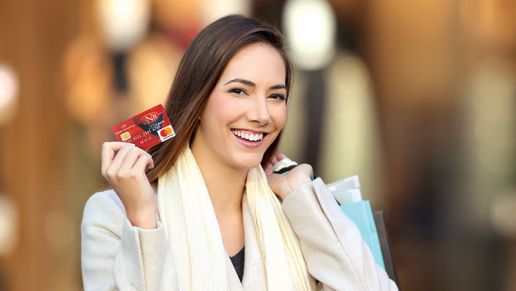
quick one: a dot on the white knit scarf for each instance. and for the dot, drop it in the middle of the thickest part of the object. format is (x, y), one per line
(195, 239)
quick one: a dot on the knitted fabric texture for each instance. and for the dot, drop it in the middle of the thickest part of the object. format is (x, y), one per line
(195, 240)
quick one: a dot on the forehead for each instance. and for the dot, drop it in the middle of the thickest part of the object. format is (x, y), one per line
(260, 63)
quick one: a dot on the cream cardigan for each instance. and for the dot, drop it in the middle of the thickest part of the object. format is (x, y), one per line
(118, 256)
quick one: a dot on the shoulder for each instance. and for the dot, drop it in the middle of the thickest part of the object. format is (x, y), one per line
(103, 208)
(105, 199)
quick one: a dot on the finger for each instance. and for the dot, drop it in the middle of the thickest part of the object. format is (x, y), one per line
(268, 169)
(143, 163)
(280, 156)
(115, 165)
(274, 160)
(108, 152)
(131, 157)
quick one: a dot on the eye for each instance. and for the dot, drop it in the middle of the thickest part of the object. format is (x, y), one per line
(238, 91)
(278, 96)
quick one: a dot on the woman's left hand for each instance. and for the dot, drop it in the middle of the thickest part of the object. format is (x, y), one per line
(283, 184)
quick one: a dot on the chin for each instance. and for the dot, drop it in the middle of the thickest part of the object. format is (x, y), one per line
(249, 162)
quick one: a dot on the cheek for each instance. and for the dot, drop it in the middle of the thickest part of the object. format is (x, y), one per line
(218, 110)
(279, 116)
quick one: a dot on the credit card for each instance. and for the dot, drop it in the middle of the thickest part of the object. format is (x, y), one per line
(145, 130)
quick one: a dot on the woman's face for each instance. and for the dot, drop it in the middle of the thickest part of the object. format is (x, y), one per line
(246, 110)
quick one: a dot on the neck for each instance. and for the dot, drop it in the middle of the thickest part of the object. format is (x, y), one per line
(225, 184)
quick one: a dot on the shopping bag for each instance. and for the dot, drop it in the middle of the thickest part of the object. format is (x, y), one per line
(370, 224)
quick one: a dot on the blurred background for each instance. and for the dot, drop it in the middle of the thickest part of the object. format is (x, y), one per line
(416, 97)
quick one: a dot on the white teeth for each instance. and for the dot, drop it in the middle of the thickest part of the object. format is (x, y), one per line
(248, 136)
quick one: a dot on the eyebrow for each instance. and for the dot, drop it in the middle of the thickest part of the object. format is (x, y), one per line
(252, 84)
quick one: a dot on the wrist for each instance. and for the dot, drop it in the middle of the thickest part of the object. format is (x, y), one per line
(145, 217)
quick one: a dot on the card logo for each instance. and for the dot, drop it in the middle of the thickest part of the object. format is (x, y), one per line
(149, 118)
(166, 133)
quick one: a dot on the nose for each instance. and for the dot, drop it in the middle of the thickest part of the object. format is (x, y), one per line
(259, 111)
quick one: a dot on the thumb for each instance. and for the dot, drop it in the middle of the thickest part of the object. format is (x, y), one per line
(268, 169)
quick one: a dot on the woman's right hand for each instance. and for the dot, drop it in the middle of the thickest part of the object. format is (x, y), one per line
(124, 166)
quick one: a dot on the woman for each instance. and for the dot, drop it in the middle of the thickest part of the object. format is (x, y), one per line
(186, 215)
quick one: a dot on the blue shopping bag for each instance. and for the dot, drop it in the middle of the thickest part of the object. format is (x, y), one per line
(348, 194)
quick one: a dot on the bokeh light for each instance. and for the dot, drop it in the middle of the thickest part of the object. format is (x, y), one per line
(9, 87)
(310, 27)
(123, 22)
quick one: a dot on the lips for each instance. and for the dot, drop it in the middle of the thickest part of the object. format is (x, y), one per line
(248, 135)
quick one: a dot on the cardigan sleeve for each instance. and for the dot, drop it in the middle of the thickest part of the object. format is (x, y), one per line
(334, 251)
(116, 255)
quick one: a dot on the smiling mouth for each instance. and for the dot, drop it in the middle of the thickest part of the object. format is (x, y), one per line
(248, 135)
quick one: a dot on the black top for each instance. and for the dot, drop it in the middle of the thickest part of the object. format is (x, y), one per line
(238, 263)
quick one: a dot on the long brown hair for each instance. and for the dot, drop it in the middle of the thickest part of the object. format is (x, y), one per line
(198, 73)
